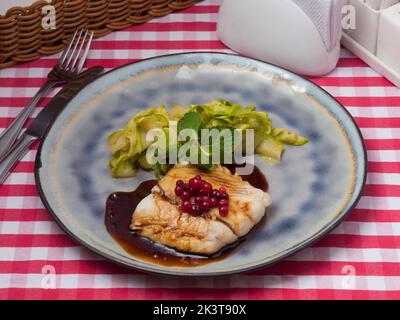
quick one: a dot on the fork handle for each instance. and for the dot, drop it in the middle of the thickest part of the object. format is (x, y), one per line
(18, 150)
(11, 133)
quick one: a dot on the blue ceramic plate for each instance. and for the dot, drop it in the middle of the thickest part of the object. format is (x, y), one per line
(313, 188)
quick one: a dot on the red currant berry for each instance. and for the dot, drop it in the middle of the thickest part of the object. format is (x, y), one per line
(205, 198)
(198, 177)
(214, 193)
(223, 203)
(195, 184)
(192, 191)
(206, 206)
(180, 183)
(197, 199)
(224, 195)
(185, 196)
(223, 211)
(218, 195)
(206, 189)
(222, 190)
(195, 209)
(214, 202)
(178, 191)
(186, 206)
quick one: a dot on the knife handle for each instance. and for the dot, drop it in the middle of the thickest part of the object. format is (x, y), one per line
(18, 150)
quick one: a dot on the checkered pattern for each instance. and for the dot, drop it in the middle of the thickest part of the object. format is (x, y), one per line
(360, 259)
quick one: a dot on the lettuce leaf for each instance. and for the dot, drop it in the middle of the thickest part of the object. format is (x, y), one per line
(222, 113)
(177, 112)
(269, 141)
(291, 138)
(128, 144)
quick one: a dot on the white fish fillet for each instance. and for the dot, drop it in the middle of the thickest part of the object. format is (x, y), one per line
(159, 219)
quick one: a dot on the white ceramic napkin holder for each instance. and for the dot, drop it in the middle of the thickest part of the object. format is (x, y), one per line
(281, 32)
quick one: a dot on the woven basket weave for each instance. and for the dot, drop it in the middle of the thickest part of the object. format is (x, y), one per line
(22, 37)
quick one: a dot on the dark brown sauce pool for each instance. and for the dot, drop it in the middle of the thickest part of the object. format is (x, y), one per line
(121, 205)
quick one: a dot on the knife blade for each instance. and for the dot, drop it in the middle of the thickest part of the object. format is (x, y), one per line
(43, 122)
(48, 115)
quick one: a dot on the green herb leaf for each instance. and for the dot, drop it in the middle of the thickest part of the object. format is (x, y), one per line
(191, 120)
(161, 169)
(157, 170)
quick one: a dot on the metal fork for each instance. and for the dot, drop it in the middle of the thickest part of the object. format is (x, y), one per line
(69, 65)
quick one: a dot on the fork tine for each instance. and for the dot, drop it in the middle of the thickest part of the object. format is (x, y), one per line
(72, 53)
(85, 52)
(72, 66)
(66, 50)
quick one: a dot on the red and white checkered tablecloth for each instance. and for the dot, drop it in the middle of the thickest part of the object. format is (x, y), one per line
(358, 260)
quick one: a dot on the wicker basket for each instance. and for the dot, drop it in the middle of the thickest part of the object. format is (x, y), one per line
(22, 37)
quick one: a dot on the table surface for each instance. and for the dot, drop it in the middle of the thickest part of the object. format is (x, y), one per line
(358, 260)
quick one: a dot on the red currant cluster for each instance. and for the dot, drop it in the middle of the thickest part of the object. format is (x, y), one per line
(198, 196)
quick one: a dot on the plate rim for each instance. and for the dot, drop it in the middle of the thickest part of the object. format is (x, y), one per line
(290, 251)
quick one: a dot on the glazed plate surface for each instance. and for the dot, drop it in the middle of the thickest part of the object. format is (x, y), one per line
(312, 189)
